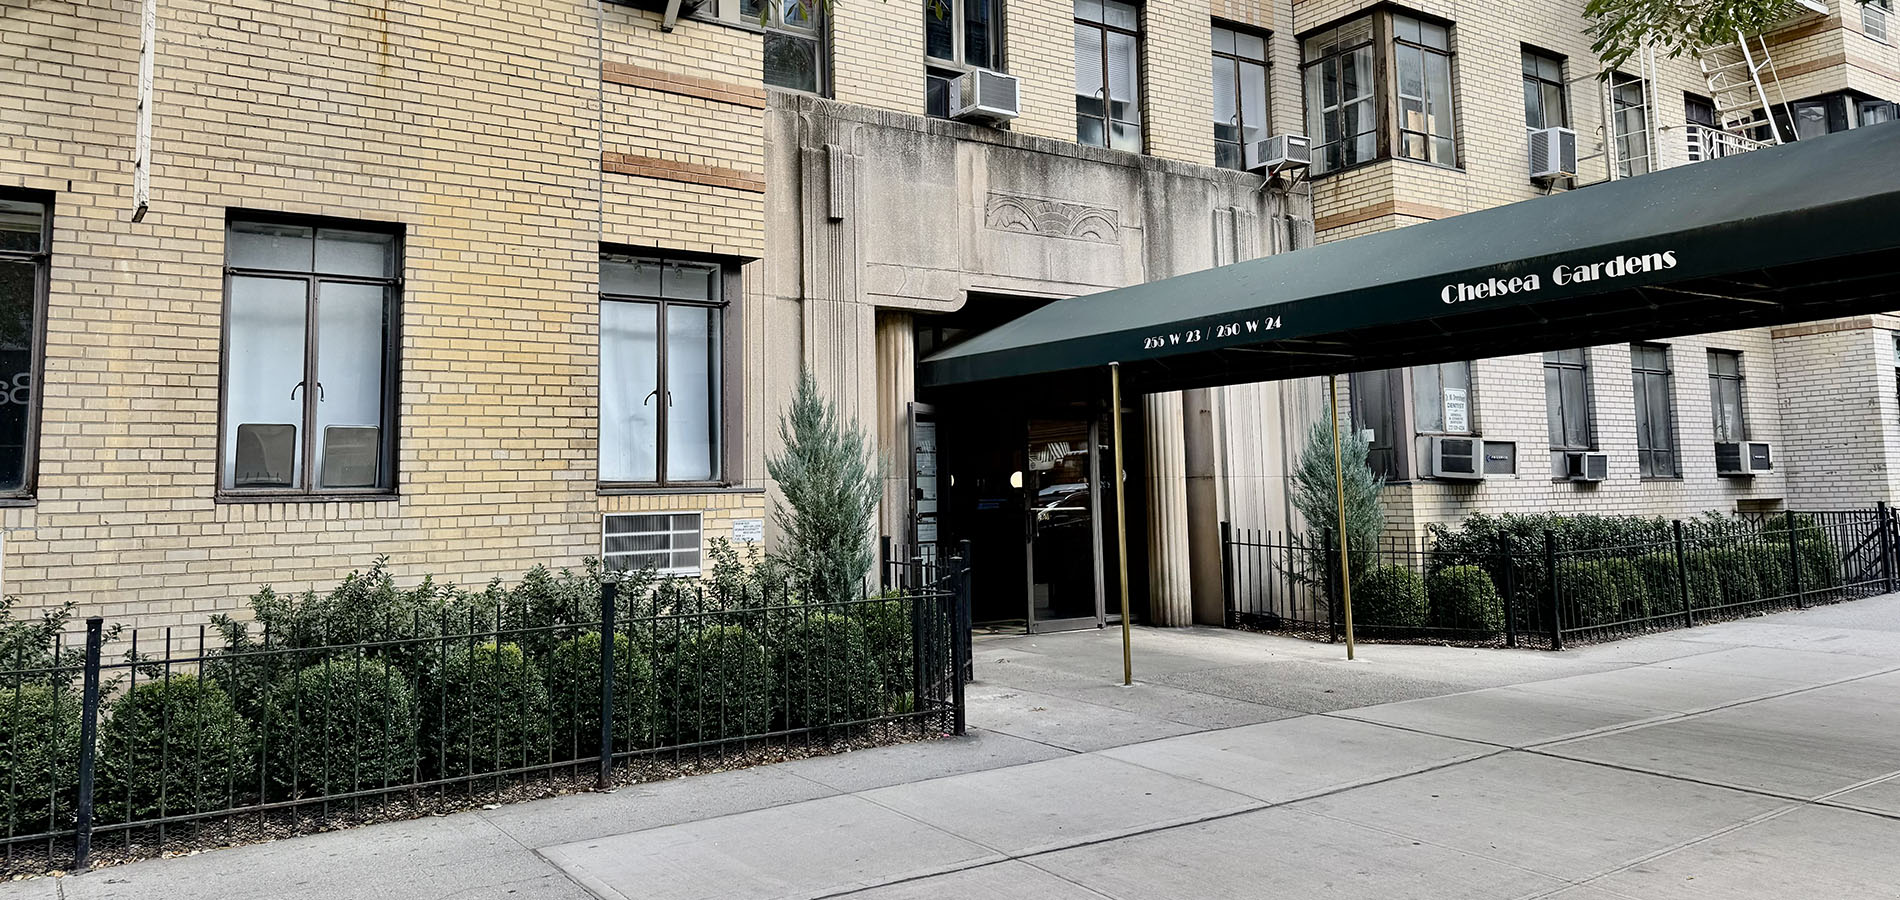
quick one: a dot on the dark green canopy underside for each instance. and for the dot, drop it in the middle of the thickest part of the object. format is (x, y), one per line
(1805, 231)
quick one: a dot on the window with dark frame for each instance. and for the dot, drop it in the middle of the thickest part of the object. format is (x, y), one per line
(1374, 408)
(959, 35)
(795, 55)
(26, 234)
(1546, 103)
(1342, 105)
(1567, 404)
(310, 346)
(1379, 85)
(1441, 399)
(1655, 416)
(1108, 74)
(1422, 60)
(1725, 395)
(1629, 112)
(1240, 93)
(662, 324)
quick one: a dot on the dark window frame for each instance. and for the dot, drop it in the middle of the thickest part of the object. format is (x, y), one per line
(729, 422)
(42, 262)
(941, 71)
(1426, 51)
(1388, 126)
(1582, 368)
(1388, 454)
(772, 23)
(1537, 79)
(1107, 118)
(1376, 37)
(1418, 427)
(1643, 380)
(393, 285)
(1624, 164)
(1265, 61)
(1717, 381)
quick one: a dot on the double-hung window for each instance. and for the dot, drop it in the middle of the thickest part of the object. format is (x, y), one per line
(1240, 93)
(1725, 395)
(309, 357)
(1629, 112)
(1108, 74)
(1567, 403)
(1874, 15)
(1422, 58)
(1546, 104)
(794, 41)
(959, 35)
(26, 222)
(1441, 398)
(1342, 106)
(661, 353)
(1655, 420)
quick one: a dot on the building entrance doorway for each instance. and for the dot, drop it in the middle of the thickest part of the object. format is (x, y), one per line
(1063, 502)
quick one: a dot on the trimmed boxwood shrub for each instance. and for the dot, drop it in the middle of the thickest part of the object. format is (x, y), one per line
(888, 635)
(1820, 564)
(1464, 597)
(178, 739)
(1734, 576)
(346, 726)
(486, 710)
(828, 673)
(39, 758)
(573, 677)
(717, 685)
(1659, 583)
(1589, 591)
(1390, 595)
(1769, 563)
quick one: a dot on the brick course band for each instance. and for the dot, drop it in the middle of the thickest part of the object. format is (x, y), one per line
(685, 85)
(1388, 208)
(674, 170)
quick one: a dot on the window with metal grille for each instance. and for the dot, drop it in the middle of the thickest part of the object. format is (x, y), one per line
(667, 542)
(1655, 420)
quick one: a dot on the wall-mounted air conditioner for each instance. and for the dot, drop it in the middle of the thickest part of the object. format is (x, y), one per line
(1281, 153)
(1553, 154)
(985, 96)
(1460, 458)
(1586, 466)
(1743, 459)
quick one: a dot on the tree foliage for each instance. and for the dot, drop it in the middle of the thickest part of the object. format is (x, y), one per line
(1315, 496)
(1675, 27)
(831, 490)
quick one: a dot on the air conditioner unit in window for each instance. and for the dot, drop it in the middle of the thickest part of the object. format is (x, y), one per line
(981, 95)
(1553, 154)
(1461, 458)
(1588, 467)
(1280, 152)
(1743, 459)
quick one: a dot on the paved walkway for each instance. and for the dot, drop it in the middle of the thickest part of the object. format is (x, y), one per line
(1753, 759)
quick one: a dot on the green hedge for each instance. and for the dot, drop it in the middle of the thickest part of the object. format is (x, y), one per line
(717, 685)
(1464, 597)
(340, 727)
(39, 758)
(1390, 595)
(1591, 590)
(828, 673)
(573, 679)
(888, 632)
(173, 745)
(486, 710)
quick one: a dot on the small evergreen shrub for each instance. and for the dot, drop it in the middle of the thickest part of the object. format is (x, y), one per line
(1734, 575)
(170, 746)
(1464, 597)
(1393, 596)
(717, 685)
(1769, 563)
(485, 711)
(1820, 564)
(39, 758)
(888, 634)
(828, 674)
(573, 677)
(339, 727)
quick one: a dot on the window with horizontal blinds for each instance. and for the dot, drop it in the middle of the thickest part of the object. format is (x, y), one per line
(1107, 75)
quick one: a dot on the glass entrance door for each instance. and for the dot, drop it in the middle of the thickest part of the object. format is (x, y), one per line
(1064, 529)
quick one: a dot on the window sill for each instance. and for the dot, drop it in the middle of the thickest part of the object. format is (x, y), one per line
(358, 497)
(629, 490)
(18, 502)
(1660, 478)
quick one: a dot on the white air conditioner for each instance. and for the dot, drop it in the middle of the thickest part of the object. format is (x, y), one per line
(986, 96)
(1553, 153)
(1743, 459)
(1281, 152)
(1458, 457)
(1588, 467)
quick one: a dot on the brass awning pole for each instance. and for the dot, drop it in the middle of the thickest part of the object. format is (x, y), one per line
(1121, 517)
(1339, 494)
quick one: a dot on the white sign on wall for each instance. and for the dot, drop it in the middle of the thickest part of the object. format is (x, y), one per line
(748, 531)
(1457, 410)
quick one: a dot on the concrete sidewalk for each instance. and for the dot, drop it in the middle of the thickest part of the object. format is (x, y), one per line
(1753, 759)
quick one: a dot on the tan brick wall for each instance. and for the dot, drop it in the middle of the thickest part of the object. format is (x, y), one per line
(474, 128)
(1177, 93)
(878, 54)
(1040, 49)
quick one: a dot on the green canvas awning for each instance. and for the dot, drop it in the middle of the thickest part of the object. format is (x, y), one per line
(1805, 231)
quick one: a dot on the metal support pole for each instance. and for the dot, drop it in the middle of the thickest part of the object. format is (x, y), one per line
(1329, 551)
(959, 651)
(1339, 495)
(1121, 519)
(608, 600)
(1550, 581)
(1794, 561)
(1682, 579)
(1227, 573)
(1508, 569)
(1886, 546)
(88, 743)
(884, 562)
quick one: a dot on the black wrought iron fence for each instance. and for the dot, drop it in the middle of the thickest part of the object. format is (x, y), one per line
(156, 737)
(1659, 575)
